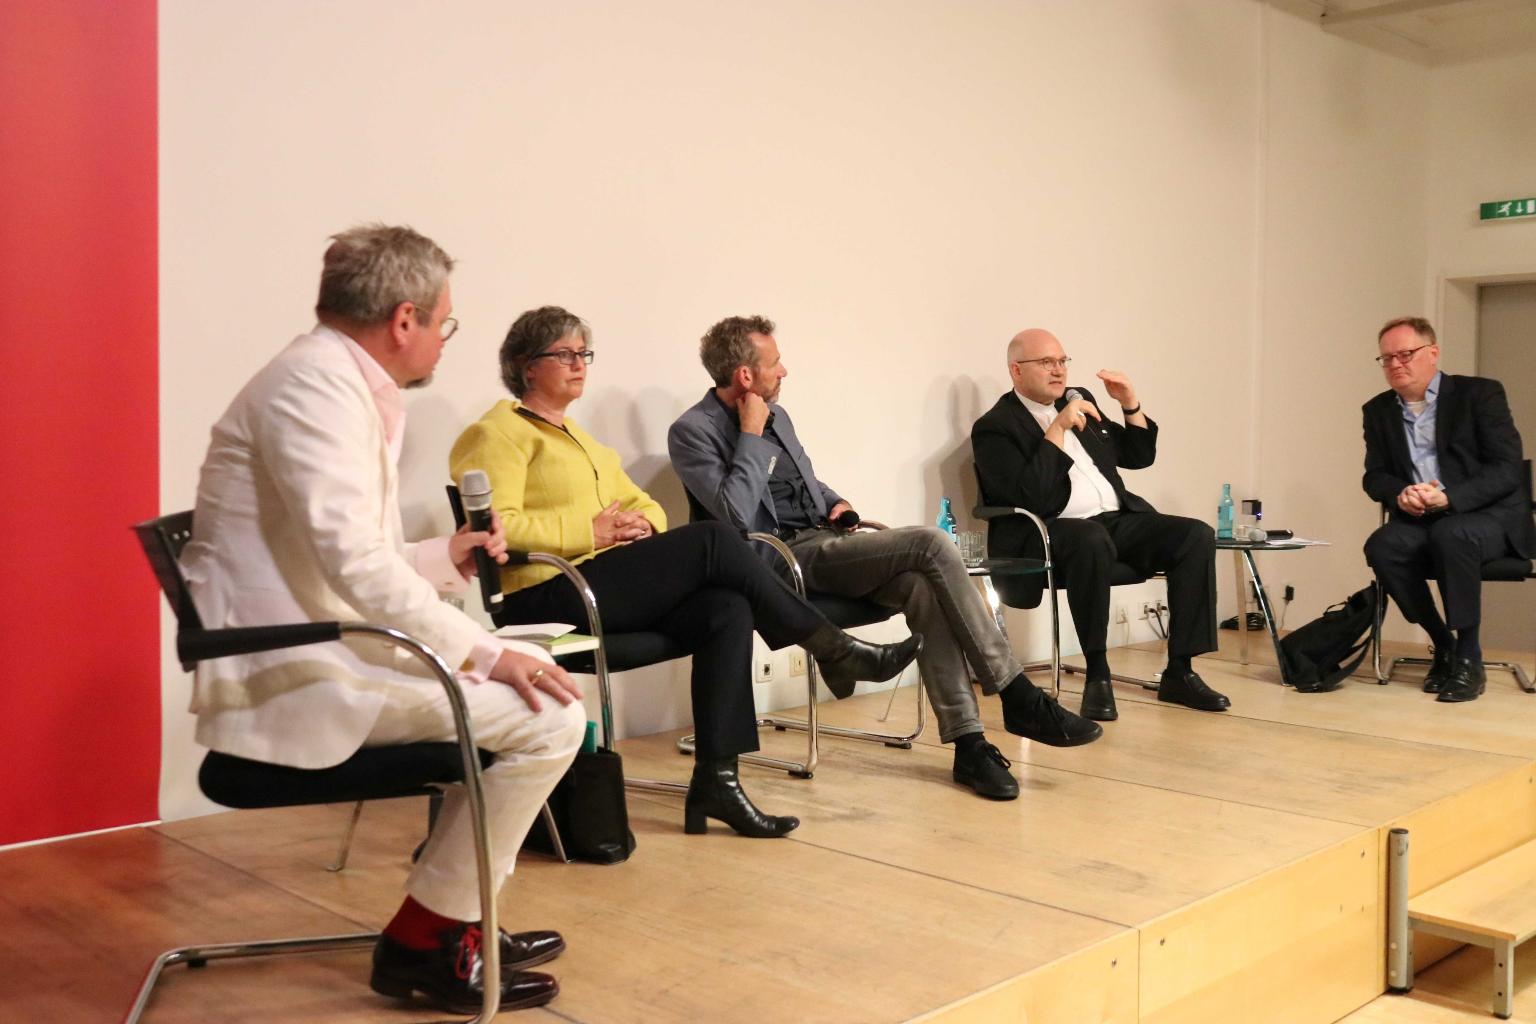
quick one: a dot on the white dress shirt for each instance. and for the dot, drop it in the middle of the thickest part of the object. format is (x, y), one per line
(1092, 492)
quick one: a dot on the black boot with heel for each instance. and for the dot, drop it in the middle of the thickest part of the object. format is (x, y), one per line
(715, 792)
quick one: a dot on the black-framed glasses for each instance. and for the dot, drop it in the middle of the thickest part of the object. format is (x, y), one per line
(568, 356)
(449, 326)
(1048, 363)
(1404, 357)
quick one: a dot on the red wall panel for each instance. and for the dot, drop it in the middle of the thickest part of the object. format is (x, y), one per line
(80, 665)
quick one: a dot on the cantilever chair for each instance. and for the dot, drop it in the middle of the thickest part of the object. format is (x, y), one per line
(373, 773)
(843, 612)
(615, 652)
(1120, 575)
(1499, 570)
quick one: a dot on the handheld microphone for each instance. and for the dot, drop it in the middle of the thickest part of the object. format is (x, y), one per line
(475, 492)
(848, 519)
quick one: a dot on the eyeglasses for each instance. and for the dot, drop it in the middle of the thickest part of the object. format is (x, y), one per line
(449, 326)
(1049, 364)
(1404, 357)
(568, 356)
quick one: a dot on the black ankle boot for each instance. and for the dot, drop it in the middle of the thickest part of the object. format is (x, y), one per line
(715, 792)
(844, 661)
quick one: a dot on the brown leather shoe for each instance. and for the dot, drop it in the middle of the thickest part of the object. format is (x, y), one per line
(450, 976)
(521, 950)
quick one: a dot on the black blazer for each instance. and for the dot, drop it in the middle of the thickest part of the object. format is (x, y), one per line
(1479, 450)
(1016, 466)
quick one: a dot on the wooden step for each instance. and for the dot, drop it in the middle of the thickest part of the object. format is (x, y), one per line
(1496, 899)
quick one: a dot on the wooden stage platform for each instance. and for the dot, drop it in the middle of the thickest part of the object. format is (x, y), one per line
(1187, 868)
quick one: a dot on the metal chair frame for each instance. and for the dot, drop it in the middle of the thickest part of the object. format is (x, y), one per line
(162, 540)
(811, 723)
(1383, 677)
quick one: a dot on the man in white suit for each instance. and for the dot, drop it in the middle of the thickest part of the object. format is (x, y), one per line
(298, 518)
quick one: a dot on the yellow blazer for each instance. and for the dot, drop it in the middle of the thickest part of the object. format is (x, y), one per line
(547, 485)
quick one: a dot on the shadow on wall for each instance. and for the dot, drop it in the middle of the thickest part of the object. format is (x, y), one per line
(424, 508)
(948, 469)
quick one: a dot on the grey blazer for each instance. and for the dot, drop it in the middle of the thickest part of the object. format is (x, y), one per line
(726, 472)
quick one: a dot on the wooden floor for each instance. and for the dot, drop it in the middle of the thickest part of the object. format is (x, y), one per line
(1187, 867)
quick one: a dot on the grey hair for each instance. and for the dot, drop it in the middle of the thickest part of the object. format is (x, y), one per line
(371, 269)
(1420, 326)
(728, 345)
(532, 333)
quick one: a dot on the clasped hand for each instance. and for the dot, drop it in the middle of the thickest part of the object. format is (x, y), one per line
(614, 526)
(1417, 499)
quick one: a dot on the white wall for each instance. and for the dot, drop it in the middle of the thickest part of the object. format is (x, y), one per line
(901, 185)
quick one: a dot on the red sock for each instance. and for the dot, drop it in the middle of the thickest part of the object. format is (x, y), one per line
(416, 927)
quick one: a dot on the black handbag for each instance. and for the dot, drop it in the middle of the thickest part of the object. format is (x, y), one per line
(589, 810)
(1321, 655)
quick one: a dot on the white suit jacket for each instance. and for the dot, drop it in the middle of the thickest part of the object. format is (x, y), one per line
(298, 520)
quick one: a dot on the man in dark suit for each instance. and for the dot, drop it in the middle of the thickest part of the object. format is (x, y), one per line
(1055, 454)
(737, 453)
(1443, 453)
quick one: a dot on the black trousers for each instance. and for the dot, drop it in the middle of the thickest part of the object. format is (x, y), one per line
(1450, 548)
(1083, 551)
(705, 588)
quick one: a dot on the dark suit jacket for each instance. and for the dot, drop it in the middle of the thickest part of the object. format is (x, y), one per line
(1016, 466)
(1479, 450)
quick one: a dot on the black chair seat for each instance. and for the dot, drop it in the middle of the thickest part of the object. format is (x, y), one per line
(848, 612)
(373, 773)
(627, 651)
(1122, 575)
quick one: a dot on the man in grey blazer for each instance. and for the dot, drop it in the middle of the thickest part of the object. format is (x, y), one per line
(298, 518)
(741, 461)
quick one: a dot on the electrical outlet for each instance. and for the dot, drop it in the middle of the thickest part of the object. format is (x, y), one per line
(1120, 615)
(1152, 608)
(1290, 592)
(797, 662)
(764, 672)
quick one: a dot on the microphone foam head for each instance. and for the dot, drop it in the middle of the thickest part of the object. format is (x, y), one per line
(475, 483)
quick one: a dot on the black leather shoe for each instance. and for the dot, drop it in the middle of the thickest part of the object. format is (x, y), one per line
(984, 768)
(1189, 689)
(521, 950)
(1467, 682)
(1099, 701)
(715, 792)
(854, 661)
(451, 976)
(1035, 716)
(1440, 670)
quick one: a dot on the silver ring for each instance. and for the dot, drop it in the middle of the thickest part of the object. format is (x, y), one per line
(535, 676)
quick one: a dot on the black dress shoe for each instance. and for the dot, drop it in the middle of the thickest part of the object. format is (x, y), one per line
(1035, 716)
(1467, 682)
(851, 661)
(521, 950)
(984, 768)
(451, 976)
(1099, 701)
(1189, 689)
(1440, 670)
(715, 792)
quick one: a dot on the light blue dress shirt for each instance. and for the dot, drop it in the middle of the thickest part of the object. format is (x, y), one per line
(1421, 434)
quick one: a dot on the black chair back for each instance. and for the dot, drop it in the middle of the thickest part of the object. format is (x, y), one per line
(163, 540)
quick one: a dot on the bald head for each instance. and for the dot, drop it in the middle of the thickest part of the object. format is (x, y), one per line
(1033, 343)
(1035, 380)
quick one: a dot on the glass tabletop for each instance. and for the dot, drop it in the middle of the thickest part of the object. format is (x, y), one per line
(1006, 567)
(1259, 545)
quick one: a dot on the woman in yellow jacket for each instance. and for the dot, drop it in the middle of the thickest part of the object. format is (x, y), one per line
(558, 490)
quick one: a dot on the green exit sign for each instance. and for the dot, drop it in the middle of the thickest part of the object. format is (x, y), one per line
(1504, 209)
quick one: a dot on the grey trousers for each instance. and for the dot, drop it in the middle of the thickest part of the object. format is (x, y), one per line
(917, 569)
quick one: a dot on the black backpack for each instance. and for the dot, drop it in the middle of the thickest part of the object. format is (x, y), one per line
(1321, 654)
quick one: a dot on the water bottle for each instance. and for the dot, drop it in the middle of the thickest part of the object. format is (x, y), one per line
(946, 519)
(1224, 514)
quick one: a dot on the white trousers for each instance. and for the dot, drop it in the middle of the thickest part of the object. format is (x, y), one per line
(533, 749)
